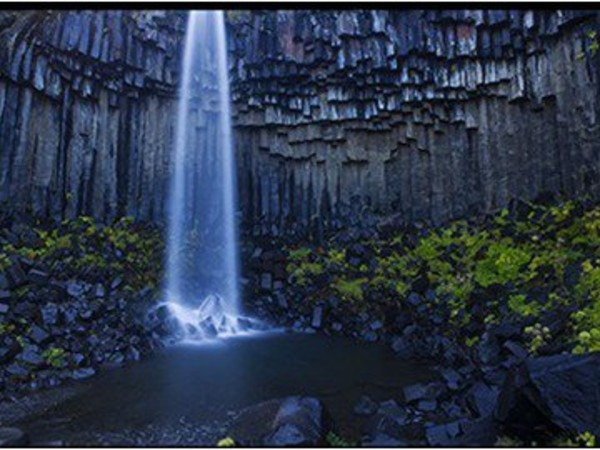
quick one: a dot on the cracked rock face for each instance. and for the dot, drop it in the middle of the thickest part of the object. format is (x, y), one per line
(429, 114)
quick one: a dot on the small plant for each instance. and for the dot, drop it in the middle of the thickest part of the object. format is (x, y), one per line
(518, 304)
(586, 439)
(337, 441)
(226, 442)
(54, 357)
(350, 289)
(593, 45)
(539, 336)
(300, 254)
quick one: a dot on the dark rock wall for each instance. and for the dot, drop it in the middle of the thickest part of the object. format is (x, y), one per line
(86, 111)
(429, 114)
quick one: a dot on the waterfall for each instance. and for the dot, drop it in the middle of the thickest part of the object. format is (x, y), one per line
(202, 276)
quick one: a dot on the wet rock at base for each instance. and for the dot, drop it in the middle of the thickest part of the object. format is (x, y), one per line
(13, 437)
(291, 421)
(80, 374)
(463, 433)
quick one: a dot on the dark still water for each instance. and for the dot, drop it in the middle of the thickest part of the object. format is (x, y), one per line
(187, 394)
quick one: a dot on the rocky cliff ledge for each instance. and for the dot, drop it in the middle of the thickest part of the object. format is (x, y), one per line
(429, 114)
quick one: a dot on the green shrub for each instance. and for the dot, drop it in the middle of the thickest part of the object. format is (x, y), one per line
(349, 289)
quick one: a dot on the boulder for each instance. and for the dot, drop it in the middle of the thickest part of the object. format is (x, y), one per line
(483, 399)
(286, 422)
(552, 393)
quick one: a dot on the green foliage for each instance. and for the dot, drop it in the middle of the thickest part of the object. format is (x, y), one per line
(303, 271)
(337, 441)
(85, 248)
(493, 264)
(300, 254)
(350, 289)
(587, 320)
(54, 357)
(518, 304)
(591, 39)
(502, 263)
(586, 439)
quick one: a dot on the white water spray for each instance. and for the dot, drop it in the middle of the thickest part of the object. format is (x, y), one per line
(202, 259)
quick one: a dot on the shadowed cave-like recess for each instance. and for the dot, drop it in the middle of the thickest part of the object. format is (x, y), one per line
(425, 114)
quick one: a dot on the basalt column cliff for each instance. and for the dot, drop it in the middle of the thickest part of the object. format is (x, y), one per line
(425, 114)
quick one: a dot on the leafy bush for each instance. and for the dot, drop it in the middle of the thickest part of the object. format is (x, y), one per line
(350, 289)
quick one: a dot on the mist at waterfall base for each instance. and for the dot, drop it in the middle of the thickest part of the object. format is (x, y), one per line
(202, 292)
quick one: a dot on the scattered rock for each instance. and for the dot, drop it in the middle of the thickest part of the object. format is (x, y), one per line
(49, 314)
(376, 325)
(365, 406)
(291, 421)
(443, 435)
(75, 288)
(101, 292)
(31, 355)
(266, 281)
(452, 378)
(80, 374)
(317, 317)
(37, 276)
(483, 399)
(16, 274)
(423, 391)
(116, 283)
(38, 334)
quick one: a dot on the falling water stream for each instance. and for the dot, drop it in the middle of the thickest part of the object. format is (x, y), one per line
(202, 258)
